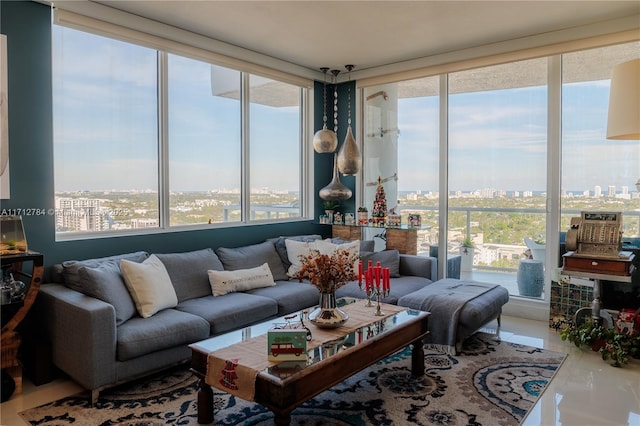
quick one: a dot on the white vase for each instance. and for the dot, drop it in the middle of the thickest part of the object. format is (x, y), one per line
(466, 264)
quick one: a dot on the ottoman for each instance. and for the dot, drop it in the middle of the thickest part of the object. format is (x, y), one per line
(458, 308)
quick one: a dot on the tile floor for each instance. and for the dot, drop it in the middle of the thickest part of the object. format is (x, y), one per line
(585, 392)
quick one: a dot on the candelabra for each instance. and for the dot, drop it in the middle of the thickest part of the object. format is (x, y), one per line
(376, 283)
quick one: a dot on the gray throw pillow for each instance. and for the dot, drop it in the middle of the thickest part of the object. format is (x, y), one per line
(365, 245)
(188, 272)
(387, 258)
(105, 282)
(71, 267)
(253, 256)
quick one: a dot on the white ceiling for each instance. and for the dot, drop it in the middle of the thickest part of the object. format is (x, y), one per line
(371, 34)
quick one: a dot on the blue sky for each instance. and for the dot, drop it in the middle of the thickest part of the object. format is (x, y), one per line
(106, 131)
(498, 140)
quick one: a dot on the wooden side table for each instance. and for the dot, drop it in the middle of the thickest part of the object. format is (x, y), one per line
(13, 313)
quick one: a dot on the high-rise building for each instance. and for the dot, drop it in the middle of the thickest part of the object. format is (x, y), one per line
(597, 191)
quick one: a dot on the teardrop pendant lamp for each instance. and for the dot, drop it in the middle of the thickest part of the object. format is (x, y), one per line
(336, 189)
(349, 160)
(325, 140)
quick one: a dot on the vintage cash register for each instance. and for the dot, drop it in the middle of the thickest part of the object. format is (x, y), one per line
(594, 245)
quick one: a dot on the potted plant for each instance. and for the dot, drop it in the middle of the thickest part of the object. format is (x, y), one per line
(612, 344)
(330, 207)
(466, 251)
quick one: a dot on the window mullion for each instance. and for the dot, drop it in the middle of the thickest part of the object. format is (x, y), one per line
(163, 141)
(245, 152)
(443, 179)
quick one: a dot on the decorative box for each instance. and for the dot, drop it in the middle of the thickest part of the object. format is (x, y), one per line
(394, 220)
(349, 219)
(287, 345)
(415, 221)
(628, 321)
(363, 217)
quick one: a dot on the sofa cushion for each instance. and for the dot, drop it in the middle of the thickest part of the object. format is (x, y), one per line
(407, 284)
(149, 285)
(231, 311)
(188, 272)
(71, 267)
(168, 328)
(281, 247)
(105, 282)
(387, 258)
(252, 256)
(291, 296)
(223, 282)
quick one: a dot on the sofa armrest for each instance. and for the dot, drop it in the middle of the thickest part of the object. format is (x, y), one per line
(419, 266)
(82, 333)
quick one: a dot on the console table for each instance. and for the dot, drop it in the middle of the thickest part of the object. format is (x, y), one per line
(13, 313)
(404, 238)
(597, 270)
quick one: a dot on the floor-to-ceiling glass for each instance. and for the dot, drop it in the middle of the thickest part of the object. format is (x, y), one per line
(401, 152)
(599, 174)
(497, 173)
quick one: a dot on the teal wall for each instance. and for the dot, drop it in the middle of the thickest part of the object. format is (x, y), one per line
(28, 28)
(323, 163)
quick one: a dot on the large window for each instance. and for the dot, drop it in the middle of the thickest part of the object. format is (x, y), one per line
(275, 149)
(597, 174)
(105, 133)
(401, 142)
(500, 136)
(497, 164)
(204, 142)
(149, 139)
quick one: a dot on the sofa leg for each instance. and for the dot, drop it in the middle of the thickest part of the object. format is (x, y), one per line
(499, 319)
(94, 396)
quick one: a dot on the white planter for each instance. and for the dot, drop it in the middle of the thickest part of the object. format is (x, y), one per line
(466, 263)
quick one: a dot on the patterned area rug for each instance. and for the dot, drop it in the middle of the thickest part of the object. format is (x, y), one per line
(488, 383)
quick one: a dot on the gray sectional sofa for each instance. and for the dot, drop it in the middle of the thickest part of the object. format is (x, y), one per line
(99, 339)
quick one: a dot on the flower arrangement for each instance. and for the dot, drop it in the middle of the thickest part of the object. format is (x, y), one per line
(328, 272)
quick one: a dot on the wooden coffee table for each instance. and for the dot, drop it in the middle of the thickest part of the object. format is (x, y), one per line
(282, 389)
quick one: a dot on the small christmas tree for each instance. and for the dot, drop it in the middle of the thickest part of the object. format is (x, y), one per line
(379, 212)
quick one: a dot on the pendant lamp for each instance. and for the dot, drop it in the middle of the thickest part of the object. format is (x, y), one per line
(349, 160)
(325, 140)
(623, 122)
(335, 190)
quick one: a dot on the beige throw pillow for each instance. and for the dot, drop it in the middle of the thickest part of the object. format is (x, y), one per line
(149, 285)
(223, 282)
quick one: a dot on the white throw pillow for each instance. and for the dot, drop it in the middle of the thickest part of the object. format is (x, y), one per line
(296, 249)
(223, 282)
(329, 248)
(149, 285)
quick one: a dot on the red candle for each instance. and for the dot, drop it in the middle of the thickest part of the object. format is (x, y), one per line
(378, 273)
(359, 272)
(387, 279)
(370, 264)
(369, 279)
